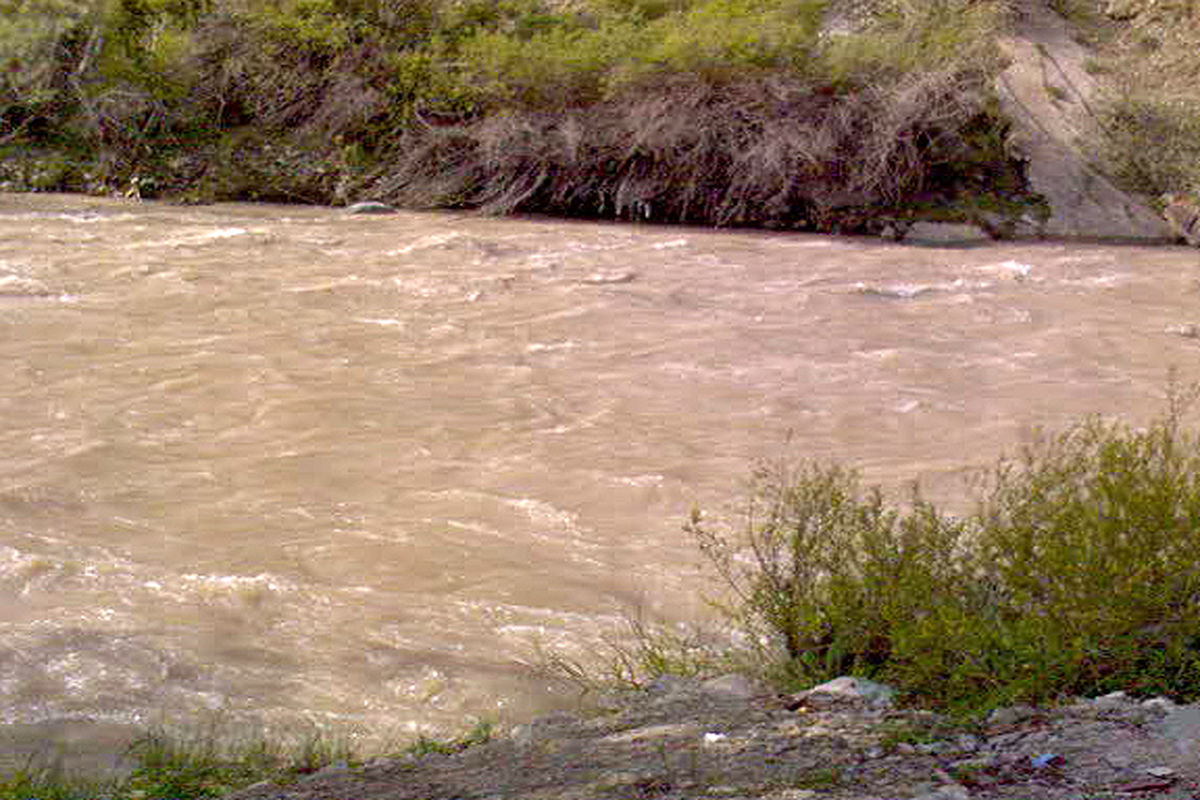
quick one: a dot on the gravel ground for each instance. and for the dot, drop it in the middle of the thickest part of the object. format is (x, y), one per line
(721, 739)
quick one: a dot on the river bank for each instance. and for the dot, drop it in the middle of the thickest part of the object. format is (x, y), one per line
(838, 116)
(725, 738)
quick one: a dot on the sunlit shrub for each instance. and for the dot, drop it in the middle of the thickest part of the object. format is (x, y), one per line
(1077, 575)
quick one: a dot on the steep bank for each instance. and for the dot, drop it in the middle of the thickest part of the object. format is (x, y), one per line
(784, 113)
(1050, 97)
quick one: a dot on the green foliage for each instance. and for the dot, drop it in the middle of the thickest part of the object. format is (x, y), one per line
(556, 68)
(1129, 123)
(47, 783)
(480, 733)
(914, 37)
(1076, 575)
(638, 654)
(719, 39)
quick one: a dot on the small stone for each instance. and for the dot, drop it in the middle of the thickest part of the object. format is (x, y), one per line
(1160, 772)
(1011, 715)
(1044, 760)
(1111, 700)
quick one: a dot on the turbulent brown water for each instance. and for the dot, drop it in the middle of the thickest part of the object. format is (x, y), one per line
(282, 464)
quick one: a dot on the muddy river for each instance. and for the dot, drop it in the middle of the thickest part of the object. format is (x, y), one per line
(284, 466)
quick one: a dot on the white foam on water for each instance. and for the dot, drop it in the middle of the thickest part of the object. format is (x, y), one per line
(191, 239)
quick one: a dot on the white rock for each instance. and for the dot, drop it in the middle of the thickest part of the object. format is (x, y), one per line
(370, 207)
(1163, 704)
(851, 691)
(1111, 700)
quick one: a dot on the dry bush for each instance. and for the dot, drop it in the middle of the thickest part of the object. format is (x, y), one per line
(769, 150)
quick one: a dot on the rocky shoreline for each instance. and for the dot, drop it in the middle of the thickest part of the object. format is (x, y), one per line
(725, 738)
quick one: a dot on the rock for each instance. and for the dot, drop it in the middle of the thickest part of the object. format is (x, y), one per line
(600, 278)
(945, 233)
(664, 685)
(950, 792)
(1188, 330)
(846, 691)
(370, 207)
(732, 685)
(1161, 704)
(1182, 214)
(1182, 725)
(1111, 700)
(541, 729)
(1046, 126)
(1011, 715)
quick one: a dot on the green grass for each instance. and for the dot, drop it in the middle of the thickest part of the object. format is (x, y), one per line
(1075, 575)
(211, 762)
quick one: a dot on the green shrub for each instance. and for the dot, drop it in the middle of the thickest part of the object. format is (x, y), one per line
(1128, 123)
(913, 37)
(1077, 574)
(724, 39)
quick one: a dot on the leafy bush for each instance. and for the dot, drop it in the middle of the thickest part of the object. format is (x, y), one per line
(1077, 573)
(1126, 125)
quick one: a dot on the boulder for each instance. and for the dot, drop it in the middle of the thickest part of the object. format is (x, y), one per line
(845, 692)
(370, 207)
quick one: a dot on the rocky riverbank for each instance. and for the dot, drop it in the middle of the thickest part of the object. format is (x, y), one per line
(726, 739)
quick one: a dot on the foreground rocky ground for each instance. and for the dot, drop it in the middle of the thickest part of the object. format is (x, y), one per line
(722, 739)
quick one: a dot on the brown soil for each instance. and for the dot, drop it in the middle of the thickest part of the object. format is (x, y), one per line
(684, 739)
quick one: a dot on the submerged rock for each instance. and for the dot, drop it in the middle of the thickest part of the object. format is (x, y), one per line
(370, 207)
